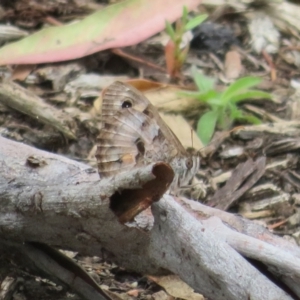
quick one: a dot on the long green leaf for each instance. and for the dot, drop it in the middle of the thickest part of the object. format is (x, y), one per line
(238, 114)
(235, 113)
(239, 86)
(206, 126)
(211, 97)
(203, 82)
(170, 31)
(250, 94)
(184, 14)
(191, 24)
(251, 119)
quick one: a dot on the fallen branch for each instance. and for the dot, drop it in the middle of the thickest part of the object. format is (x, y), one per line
(25, 101)
(63, 204)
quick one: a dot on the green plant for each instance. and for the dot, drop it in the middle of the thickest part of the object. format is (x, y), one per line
(174, 52)
(223, 109)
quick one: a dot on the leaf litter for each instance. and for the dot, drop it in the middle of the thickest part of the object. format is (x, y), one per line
(57, 110)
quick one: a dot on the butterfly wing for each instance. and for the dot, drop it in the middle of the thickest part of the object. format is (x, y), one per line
(131, 133)
(120, 143)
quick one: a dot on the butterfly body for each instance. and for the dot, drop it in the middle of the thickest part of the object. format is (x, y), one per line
(133, 134)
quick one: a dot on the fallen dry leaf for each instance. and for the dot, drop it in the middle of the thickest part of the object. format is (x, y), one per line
(21, 72)
(233, 65)
(133, 293)
(176, 287)
(183, 130)
(161, 295)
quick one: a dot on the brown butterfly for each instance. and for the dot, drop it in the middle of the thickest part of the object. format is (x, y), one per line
(133, 134)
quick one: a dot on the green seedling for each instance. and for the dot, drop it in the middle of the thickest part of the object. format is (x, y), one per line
(174, 52)
(223, 106)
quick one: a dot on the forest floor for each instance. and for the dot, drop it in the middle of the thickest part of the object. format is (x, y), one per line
(252, 40)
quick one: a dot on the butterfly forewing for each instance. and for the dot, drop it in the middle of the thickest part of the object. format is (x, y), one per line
(118, 93)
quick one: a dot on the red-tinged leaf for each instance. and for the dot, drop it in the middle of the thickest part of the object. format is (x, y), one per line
(122, 24)
(144, 85)
(170, 57)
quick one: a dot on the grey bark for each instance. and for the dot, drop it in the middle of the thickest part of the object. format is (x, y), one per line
(63, 204)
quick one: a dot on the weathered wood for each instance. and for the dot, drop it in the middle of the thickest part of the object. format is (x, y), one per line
(15, 96)
(243, 178)
(63, 204)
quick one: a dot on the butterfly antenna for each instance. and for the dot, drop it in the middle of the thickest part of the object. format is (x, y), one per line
(192, 138)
